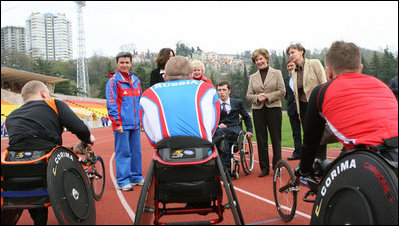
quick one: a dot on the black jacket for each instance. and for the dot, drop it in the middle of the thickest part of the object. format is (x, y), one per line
(290, 97)
(156, 77)
(37, 119)
(233, 118)
(394, 86)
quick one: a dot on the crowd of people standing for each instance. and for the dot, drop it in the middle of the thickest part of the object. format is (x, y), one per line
(266, 88)
(319, 99)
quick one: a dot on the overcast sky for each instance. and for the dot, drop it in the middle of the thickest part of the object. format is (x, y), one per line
(222, 27)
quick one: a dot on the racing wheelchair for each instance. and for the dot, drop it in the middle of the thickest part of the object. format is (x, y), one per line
(186, 171)
(359, 187)
(59, 178)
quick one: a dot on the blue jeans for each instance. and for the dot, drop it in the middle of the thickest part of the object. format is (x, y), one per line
(128, 164)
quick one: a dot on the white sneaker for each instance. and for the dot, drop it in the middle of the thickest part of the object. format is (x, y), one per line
(127, 187)
(140, 183)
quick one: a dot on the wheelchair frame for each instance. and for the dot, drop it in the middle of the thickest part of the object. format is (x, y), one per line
(243, 146)
(88, 164)
(148, 207)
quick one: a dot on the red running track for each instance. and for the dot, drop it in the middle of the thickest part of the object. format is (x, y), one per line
(255, 195)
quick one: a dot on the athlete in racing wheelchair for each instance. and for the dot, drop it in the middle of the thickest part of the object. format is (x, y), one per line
(361, 185)
(179, 118)
(32, 165)
(229, 137)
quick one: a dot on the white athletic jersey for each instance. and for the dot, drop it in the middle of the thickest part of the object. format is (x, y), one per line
(180, 108)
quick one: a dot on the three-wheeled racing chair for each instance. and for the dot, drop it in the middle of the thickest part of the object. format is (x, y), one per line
(42, 178)
(186, 170)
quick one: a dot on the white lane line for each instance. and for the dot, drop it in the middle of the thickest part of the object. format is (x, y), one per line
(268, 201)
(119, 192)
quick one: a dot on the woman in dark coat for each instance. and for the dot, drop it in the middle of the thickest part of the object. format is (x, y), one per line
(157, 74)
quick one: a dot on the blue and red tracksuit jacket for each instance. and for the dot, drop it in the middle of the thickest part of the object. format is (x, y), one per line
(123, 100)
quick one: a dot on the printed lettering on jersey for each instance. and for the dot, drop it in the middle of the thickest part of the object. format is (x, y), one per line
(172, 84)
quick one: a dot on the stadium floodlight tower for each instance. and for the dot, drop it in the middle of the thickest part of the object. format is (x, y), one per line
(82, 75)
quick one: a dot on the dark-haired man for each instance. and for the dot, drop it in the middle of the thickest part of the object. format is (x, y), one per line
(123, 92)
(292, 112)
(359, 109)
(229, 125)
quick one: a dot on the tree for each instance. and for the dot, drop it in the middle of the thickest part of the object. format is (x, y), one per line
(375, 65)
(275, 60)
(366, 67)
(18, 60)
(389, 67)
(245, 83)
(104, 79)
(42, 66)
(284, 60)
(66, 88)
(252, 69)
(143, 72)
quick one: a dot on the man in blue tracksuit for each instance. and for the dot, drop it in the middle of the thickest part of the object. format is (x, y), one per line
(123, 92)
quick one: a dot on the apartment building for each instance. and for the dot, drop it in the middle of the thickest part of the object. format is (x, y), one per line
(49, 36)
(13, 39)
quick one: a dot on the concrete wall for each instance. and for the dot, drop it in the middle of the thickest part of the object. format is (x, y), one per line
(11, 97)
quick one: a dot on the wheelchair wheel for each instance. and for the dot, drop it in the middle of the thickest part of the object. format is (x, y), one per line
(360, 188)
(145, 206)
(97, 179)
(285, 191)
(247, 156)
(69, 189)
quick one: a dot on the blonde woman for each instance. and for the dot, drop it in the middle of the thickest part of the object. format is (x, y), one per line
(265, 90)
(199, 71)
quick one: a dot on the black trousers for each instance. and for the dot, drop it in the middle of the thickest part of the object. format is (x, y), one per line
(322, 149)
(11, 216)
(296, 133)
(268, 119)
(230, 134)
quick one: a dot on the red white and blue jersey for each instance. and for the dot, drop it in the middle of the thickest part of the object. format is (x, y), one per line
(180, 108)
(123, 101)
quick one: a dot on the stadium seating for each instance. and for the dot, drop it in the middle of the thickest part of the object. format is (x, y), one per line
(100, 109)
(7, 108)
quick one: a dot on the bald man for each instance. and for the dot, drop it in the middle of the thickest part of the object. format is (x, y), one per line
(38, 125)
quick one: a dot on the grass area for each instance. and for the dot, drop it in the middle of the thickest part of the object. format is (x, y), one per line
(286, 135)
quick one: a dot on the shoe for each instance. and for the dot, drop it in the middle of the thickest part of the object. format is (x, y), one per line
(140, 183)
(263, 173)
(294, 157)
(126, 187)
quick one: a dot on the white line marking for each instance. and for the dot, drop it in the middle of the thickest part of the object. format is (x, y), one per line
(119, 192)
(268, 201)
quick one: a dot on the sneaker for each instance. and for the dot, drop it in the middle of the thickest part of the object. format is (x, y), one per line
(126, 187)
(140, 183)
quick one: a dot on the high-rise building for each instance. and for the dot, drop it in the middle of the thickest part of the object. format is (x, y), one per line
(13, 39)
(49, 36)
